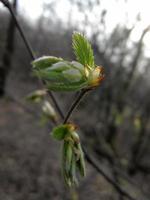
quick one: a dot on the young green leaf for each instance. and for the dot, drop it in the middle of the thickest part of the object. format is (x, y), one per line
(83, 50)
(73, 177)
(60, 132)
(65, 173)
(69, 154)
(81, 162)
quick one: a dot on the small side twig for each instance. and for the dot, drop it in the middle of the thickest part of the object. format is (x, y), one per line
(74, 105)
(26, 42)
(5, 65)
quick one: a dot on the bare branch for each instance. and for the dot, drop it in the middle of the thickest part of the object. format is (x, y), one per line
(74, 105)
(109, 179)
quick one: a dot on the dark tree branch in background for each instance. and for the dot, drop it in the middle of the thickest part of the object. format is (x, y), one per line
(28, 46)
(105, 154)
(120, 97)
(137, 149)
(136, 59)
(6, 60)
(110, 180)
(116, 178)
(118, 94)
(26, 42)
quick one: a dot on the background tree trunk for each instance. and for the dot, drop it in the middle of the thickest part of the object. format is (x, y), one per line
(6, 60)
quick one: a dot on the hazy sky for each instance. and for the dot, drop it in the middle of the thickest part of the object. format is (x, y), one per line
(116, 9)
(117, 12)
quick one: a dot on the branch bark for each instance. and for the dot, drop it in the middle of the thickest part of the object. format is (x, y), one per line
(74, 105)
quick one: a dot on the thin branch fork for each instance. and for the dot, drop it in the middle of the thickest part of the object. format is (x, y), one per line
(26, 42)
(74, 105)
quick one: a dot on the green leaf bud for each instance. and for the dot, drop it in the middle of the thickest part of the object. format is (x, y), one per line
(45, 62)
(36, 96)
(60, 132)
(49, 111)
(72, 153)
(62, 75)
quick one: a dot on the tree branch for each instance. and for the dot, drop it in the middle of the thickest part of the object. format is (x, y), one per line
(74, 105)
(21, 31)
(109, 179)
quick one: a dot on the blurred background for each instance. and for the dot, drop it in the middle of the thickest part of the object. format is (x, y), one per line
(114, 119)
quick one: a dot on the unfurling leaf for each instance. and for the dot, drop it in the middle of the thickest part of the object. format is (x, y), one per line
(65, 172)
(60, 132)
(69, 154)
(72, 154)
(73, 171)
(81, 162)
(83, 50)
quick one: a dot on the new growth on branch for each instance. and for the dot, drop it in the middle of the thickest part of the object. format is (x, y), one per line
(62, 75)
(82, 75)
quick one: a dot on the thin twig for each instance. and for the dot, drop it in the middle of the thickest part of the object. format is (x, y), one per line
(74, 105)
(29, 48)
(26, 42)
(116, 178)
(109, 179)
